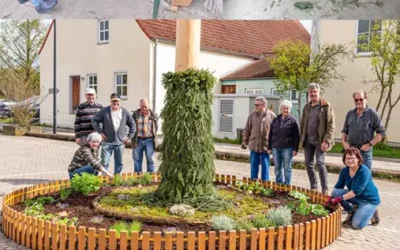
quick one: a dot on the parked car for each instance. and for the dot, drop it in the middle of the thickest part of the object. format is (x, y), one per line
(5, 108)
(34, 104)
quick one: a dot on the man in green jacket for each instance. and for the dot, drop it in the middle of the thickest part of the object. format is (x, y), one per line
(317, 128)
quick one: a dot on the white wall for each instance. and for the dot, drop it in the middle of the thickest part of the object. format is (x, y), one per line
(78, 53)
(219, 64)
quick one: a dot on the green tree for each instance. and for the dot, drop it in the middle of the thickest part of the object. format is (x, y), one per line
(295, 67)
(384, 46)
(20, 41)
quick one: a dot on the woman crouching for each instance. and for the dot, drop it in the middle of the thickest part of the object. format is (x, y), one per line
(361, 198)
(86, 158)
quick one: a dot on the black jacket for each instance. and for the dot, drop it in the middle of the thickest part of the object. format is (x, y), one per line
(284, 134)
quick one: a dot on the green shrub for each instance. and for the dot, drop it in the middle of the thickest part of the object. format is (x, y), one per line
(280, 216)
(118, 181)
(222, 222)
(146, 179)
(65, 193)
(85, 183)
(132, 181)
(134, 226)
(262, 222)
(244, 224)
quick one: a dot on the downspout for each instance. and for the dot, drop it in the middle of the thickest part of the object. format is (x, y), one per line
(155, 73)
(55, 79)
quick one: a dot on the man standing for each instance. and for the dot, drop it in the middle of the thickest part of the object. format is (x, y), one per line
(317, 128)
(255, 136)
(360, 127)
(83, 120)
(145, 138)
(114, 120)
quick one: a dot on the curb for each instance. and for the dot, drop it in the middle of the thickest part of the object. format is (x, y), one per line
(220, 155)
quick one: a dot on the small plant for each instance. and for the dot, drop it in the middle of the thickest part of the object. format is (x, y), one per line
(244, 224)
(131, 181)
(34, 209)
(222, 222)
(46, 217)
(298, 195)
(67, 221)
(134, 226)
(97, 219)
(65, 193)
(280, 216)
(85, 183)
(255, 187)
(41, 200)
(146, 179)
(118, 181)
(318, 209)
(262, 222)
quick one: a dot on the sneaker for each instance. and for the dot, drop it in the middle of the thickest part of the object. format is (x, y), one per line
(349, 218)
(46, 6)
(22, 1)
(375, 218)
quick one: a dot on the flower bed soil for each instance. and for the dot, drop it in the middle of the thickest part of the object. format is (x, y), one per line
(81, 206)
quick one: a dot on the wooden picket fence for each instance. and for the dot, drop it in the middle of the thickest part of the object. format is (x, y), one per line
(38, 234)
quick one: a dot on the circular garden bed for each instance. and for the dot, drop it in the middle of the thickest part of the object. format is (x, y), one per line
(261, 215)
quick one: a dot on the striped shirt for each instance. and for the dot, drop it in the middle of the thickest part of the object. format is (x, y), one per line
(145, 126)
(83, 121)
(85, 156)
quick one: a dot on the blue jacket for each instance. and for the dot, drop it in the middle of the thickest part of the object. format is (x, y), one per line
(361, 184)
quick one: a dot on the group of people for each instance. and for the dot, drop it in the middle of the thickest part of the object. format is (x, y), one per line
(281, 135)
(103, 131)
(41, 6)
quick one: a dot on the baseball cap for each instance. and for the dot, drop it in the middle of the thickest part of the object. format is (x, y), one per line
(115, 97)
(90, 91)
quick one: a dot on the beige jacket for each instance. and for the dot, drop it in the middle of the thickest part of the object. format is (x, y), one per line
(326, 124)
(256, 132)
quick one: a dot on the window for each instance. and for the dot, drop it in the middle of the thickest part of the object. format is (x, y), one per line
(366, 30)
(121, 85)
(104, 31)
(254, 91)
(228, 89)
(275, 92)
(92, 82)
(293, 95)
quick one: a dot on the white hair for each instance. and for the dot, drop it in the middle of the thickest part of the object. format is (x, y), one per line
(314, 85)
(285, 103)
(262, 99)
(94, 137)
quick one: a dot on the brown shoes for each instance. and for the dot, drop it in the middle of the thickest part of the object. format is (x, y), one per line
(375, 218)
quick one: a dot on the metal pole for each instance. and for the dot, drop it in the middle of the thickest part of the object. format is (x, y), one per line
(55, 80)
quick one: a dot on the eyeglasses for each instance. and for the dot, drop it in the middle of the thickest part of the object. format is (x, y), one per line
(358, 100)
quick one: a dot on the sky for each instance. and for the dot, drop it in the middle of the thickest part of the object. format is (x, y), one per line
(307, 24)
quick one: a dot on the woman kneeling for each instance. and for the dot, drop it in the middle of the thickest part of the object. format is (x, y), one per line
(86, 158)
(361, 198)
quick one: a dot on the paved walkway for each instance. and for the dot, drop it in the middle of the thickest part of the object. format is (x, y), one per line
(27, 161)
(322, 9)
(102, 9)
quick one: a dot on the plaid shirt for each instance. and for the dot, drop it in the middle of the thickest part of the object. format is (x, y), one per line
(145, 126)
(85, 156)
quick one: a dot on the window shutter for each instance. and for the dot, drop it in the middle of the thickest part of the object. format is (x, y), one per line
(226, 116)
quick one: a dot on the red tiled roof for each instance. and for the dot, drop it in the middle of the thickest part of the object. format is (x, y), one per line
(256, 69)
(246, 37)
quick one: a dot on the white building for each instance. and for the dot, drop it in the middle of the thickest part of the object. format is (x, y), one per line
(130, 56)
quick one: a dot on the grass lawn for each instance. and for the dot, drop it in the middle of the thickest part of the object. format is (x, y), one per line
(380, 150)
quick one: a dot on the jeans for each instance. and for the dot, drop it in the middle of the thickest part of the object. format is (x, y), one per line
(255, 164)
(35, 2)
(106, 152)
(283, 162)
(147, 146)
(85, 169)
(364, 212)
(367, 157)
(311, 151)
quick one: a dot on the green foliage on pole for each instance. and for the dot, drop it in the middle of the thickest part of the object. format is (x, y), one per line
(187, 152)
